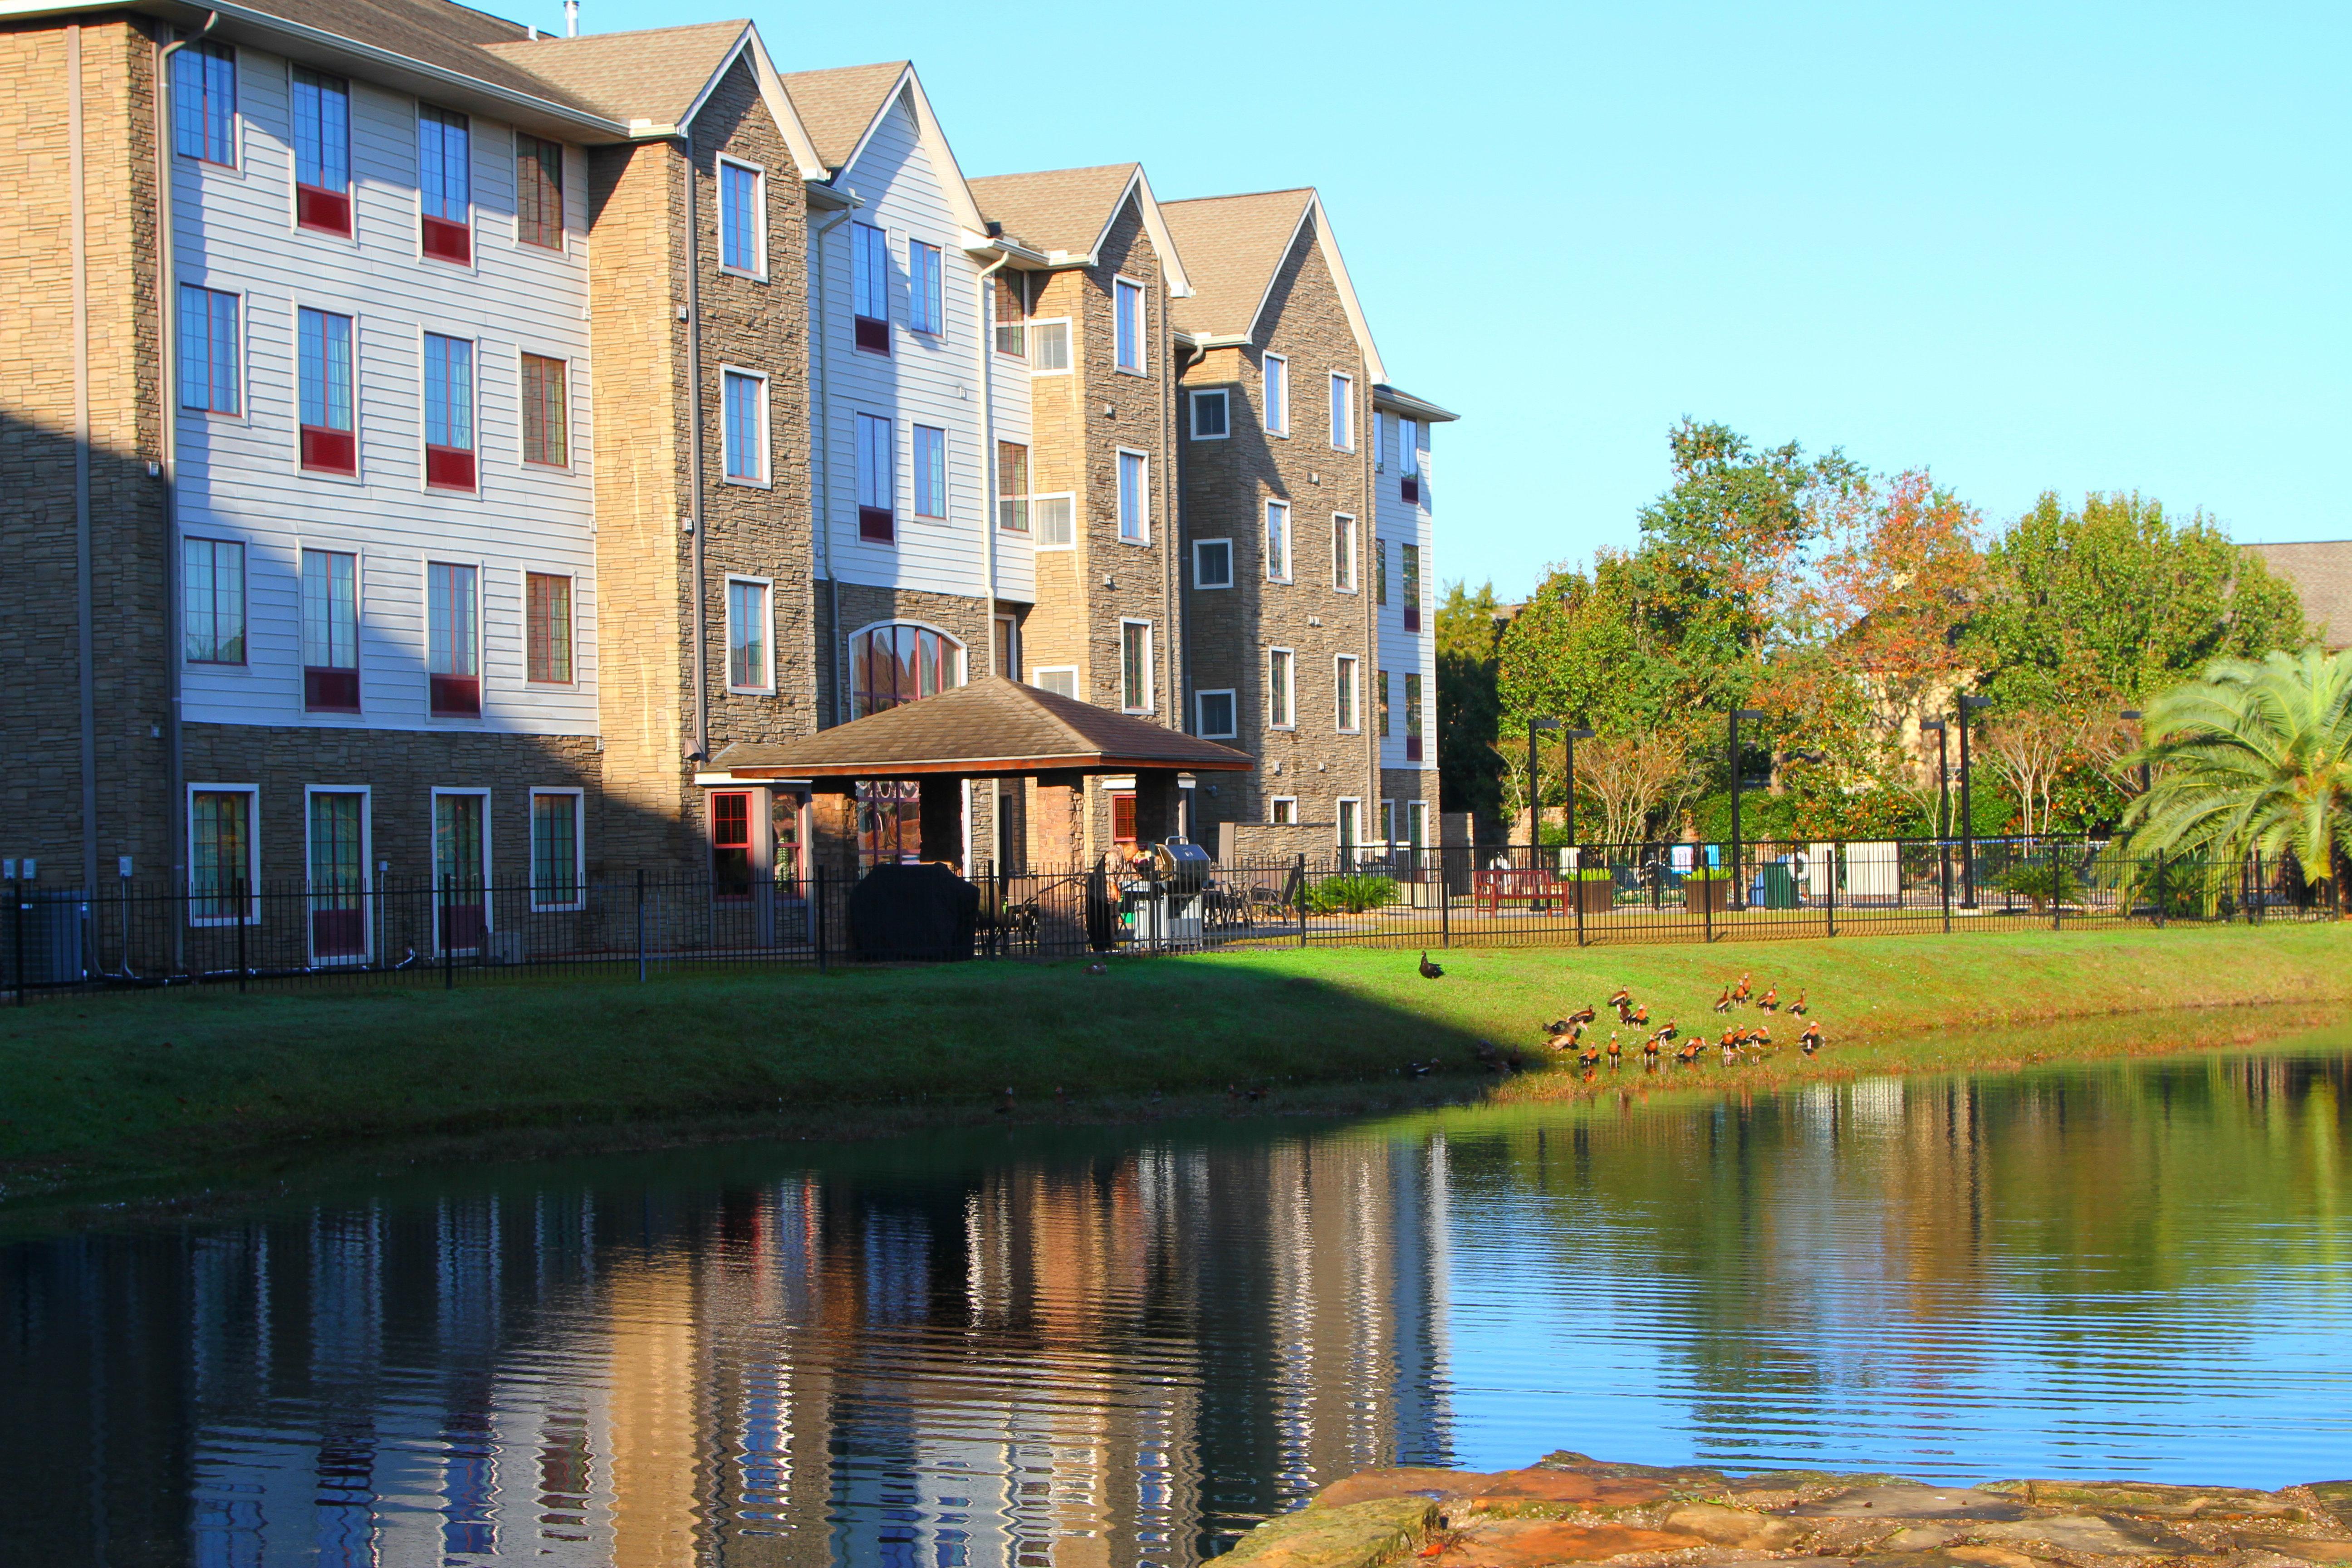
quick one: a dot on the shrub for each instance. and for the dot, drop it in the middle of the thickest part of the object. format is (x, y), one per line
(1350, 893)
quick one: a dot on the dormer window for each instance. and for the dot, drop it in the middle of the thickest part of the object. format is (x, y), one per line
(927, 305)
(1127, 320)
(742, 218)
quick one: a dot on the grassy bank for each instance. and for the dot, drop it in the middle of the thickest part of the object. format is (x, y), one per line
(154, 1087)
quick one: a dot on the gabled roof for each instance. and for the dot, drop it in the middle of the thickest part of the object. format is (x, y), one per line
(1238, 245)
(1069, 213)
(851, 102)
(992, 726)
(2322, 575)
(650, 77)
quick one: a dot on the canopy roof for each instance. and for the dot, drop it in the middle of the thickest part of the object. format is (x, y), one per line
(990, 726)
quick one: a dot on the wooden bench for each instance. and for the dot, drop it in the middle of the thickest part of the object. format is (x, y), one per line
(1530, 885)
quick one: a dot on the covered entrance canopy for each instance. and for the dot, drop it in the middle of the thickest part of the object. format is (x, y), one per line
(992, 728)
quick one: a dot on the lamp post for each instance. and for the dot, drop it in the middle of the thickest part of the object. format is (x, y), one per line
(1968, 705)
(1572, 734)
(1738, 889)
(1535, 789)
(1943, 778)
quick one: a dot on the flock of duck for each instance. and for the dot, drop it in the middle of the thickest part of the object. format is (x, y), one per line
(1738, 1042)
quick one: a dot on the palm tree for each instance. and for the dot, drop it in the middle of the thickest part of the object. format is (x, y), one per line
(2252, 756)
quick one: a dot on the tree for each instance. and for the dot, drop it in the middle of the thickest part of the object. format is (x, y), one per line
(2256, 755)
(1469, 703)
(2032, 749)
(2115, 602)
(1898, 576)
(1631, 777)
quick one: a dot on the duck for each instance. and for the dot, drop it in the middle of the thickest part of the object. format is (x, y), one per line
(1740, 992)
(1584, 1014)
(1689, 1052)
(1616, 1052)
(1589, 1057)
(1650, 1049)
(1623, 998)
(1761, 1037)
(1770, 1001)
(1098, 969)
(1431, 971)
(1668, 1030)
(1811, 1039)
(1641, 1018)
(1797, 1008)
(1723, 1003)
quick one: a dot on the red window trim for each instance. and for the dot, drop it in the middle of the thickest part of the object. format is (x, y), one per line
(330, 451)
(456, 695)
(326, 211)
(450, 467)
(444, 239)
(329, 690)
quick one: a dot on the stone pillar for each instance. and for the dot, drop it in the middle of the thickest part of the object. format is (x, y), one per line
(942, 810)
(1059, 825)
(1155, 805)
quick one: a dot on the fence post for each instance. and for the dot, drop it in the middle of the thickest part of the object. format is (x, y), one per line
(1706, 904)
(448, 936)
(641, 925)
(2160, 890)
(17, 916)
(1446, 900)
(2057, 918)
(819, 926)
(1828, 900)
(1576, 892)
(1944, 876)
(239, 911)
(2254, 912)
(1302, 898)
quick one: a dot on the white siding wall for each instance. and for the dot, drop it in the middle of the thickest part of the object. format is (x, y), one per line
(1401, 651)
(924, 379)
(240, 478)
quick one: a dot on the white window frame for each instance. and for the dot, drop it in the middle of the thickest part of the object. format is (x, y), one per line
(1388, 823)
(1010, 627)
(1143, 497)
(1339, 821)
(1038, 677)
(242, 353)
(474, 414)
(1201, 582)
(916, 431)
(252, 793)
(1201, 718)
(473, 204)
(235, 116)
(1408, 446)
(767, 684)
(359, 432)
(767, 445)
(367, 873)
(1037, 517)
(1416, 824)
(523, 575)
(1346, 522)
(1282, 811)
(930, 328)
(1343, 419)
(1289, 692)
(1347, 676)
(1150, 673)
(524, 462)
(1069, 355)
(362, 573)
(425, 564)
(1290, 543)
(859, 244)
(1192, 405)
(433, 875)
(1142, 365)
(758, 270)
(860, 421)
(1273, 393)
(579, 845)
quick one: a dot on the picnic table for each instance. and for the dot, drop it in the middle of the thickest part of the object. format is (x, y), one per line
(1492, 889)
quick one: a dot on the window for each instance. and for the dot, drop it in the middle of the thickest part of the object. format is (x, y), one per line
(900, 662)
(1416, 823)
(1381, 696)
(1057, 520)
(330, 443)
(1212, 564)
(1343, 695)
(322, 144)
(927, 305)
(1012, 313)
(869, 287)
(556, 873)
(876, 506)
(539, 191)
(1208, 416)
(1380, 571)
(748, 667)
(330, 632)
(203, 102)
(1062, 680)
(444, 184)
(1343, 413)
(1388, 821)
(931, 473)
(1343, 554)
(1410, 556)
(1278, 690)
(213, 592)
(1013, 486)
(1352, 826)
(1409, 461)
(742, 218)
(1283, 811)
(1214, 714)
(547, 628)
(223, 862)
(746, 438)
(1135, 666)
(1276, 370)
(336, 857)
(1049, 347)
(208, 350)
(1127, 324)
(1122, 815)
(731, 844)
(1412, 718)
(546, 419)
(452, 641)
(1134, 498)
(461, 862)
(1007, 648)
(449, 413)
(1277, 542)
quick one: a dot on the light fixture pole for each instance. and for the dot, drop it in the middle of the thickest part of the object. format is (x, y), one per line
(1571, 734)
(1943, 778)
(1739, 887)
(1535, 789)
(1968, 705)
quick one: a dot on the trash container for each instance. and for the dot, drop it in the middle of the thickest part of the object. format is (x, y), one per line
(1776, 885)
(47, 932)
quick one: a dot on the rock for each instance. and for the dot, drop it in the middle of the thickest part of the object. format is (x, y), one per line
(1912, 1500)
(1355, 1535)
(2337, 1496)
(2153, 1500)
(1948, 1557)
(2090, 1532)
(1735, 1527)
(1574, 1488)
(1534, 1542)
(1403, 1481)
(1921, 1538)
(1682, 1477)
(2299, 1547)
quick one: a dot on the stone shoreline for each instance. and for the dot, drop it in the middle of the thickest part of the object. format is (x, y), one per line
(1570, 1508)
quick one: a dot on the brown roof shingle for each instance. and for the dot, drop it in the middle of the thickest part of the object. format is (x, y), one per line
(1054, 209)
(836, 106)
(992, 725)
(1232, 246)
(653, 76)
(2322, 575)
(435, 32)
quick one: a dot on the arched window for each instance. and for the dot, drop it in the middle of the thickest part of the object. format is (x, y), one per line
(900, 662)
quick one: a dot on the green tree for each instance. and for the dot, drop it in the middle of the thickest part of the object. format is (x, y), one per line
(1469, 705)
(2256, 755)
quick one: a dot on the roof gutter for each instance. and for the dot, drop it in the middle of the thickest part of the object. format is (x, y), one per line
(1406, 403)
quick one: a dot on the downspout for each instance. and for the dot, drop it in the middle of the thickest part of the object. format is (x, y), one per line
(701, 751)
(84, 598)
(1193, 355)
(1173, 530)
(988, 447)
(168, 449)
(821, 420)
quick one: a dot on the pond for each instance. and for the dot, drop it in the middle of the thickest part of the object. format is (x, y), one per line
(1119, 1346)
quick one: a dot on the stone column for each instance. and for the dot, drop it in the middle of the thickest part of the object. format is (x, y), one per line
(833, 828)
(1155, 805)
(943, 809)
(1059, 825)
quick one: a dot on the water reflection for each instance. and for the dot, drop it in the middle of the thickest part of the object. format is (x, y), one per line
(1112, 1348)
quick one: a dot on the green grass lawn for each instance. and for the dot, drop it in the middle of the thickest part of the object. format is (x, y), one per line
(156, 1087)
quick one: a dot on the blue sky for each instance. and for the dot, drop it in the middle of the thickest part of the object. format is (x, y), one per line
(2049, 246)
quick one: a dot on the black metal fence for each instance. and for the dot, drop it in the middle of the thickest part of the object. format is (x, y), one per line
(143, 935)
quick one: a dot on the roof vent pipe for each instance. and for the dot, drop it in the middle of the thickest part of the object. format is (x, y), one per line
(570, 18)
